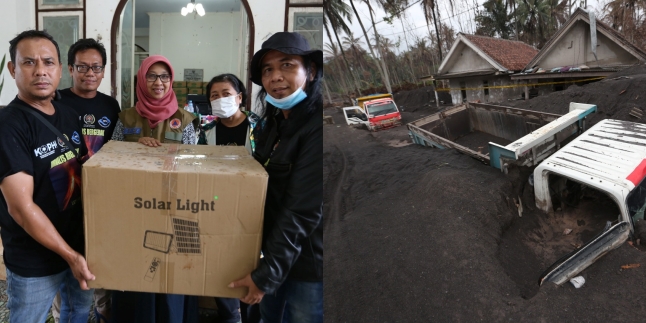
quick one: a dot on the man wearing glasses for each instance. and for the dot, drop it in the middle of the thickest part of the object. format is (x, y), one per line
(99, 114)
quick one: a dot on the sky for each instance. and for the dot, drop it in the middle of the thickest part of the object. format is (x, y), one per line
(461, 19)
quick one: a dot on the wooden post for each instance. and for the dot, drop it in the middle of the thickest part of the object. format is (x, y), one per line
(437, 100)
(527, 90)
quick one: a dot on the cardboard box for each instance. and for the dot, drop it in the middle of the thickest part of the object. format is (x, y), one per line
(181, 99)
(194, 85)
(180, 91)
(180, 219)
(179, 84)
(195, 91)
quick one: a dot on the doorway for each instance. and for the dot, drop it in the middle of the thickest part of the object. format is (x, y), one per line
(199, 47)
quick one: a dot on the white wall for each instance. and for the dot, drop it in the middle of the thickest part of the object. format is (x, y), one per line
(12, 22)
(269, 18)
(574, 49)
(142, 37)
(98, 23)
(209, 42)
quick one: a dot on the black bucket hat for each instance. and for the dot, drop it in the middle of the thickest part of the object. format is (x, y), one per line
(284, 42)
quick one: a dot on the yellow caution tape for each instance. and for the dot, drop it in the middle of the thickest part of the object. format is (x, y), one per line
(518, 85)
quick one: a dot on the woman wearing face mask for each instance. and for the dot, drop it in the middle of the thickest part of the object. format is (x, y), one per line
(233, 126)
(288, 281)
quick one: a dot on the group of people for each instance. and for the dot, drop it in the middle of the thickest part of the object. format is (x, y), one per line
(41, 216)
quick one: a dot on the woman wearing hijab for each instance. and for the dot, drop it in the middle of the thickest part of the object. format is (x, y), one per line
(288, 281)
(155, 119)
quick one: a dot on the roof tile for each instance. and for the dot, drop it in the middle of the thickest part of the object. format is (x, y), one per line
(513, 55)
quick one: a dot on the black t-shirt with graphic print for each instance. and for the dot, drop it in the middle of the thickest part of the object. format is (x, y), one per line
(27, 145)
(99, 116)
(234, 136)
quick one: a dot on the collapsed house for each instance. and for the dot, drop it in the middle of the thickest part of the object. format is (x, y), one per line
(479, 68)
(583, 50)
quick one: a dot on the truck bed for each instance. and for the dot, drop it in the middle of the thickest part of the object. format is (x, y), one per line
(469, 128)
(479, 141)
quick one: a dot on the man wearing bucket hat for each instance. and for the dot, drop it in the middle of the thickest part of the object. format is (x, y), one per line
(289, 143)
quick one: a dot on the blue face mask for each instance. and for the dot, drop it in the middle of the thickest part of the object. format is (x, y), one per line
(287, 102)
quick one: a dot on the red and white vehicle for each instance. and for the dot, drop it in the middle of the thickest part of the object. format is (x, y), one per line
(380, 112)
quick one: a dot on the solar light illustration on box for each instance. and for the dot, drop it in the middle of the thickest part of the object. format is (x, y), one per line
(186, 235)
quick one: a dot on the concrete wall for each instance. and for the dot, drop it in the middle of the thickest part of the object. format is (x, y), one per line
(574, 49)
(476, 83)
(465, 59)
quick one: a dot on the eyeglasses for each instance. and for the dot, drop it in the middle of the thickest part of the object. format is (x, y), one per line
(165, 78)
(85, 68)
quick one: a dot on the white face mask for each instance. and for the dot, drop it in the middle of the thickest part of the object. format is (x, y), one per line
(224, 107)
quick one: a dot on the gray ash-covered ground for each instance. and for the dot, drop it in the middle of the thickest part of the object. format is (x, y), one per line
(615, 96)
(417, 234)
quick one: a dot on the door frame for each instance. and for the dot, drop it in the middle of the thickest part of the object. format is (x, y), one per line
(113, 47)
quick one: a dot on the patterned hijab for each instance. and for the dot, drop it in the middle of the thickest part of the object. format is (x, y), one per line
(155, 110)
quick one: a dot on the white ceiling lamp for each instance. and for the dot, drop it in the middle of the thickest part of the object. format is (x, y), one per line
(192, 7)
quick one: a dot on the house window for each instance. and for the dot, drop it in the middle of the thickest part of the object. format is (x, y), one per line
(309, 25)
(485, 84)
(463, 91)
(306, 18)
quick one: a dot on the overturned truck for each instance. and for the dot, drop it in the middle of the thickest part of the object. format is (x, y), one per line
(610, 158)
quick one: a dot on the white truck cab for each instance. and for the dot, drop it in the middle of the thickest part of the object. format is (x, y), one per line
(356, 116)
(609, 157)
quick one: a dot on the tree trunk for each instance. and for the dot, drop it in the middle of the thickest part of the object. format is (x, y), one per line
(410, 64)
(327, 91)
(345, 60)
(382, 60)
(384, 76)
(437, 34)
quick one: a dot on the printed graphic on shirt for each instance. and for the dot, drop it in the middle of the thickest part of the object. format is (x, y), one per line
(46, 149)
(94, 136)
(65, 176)
(76, 138)
(104, 122)
(88, 119)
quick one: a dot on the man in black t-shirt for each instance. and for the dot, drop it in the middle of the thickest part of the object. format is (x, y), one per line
(99, 112)
(41, 212)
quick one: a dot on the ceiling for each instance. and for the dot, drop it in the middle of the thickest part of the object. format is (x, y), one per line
(142, 7)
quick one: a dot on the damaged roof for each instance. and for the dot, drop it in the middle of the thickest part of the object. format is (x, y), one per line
(513, 55)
